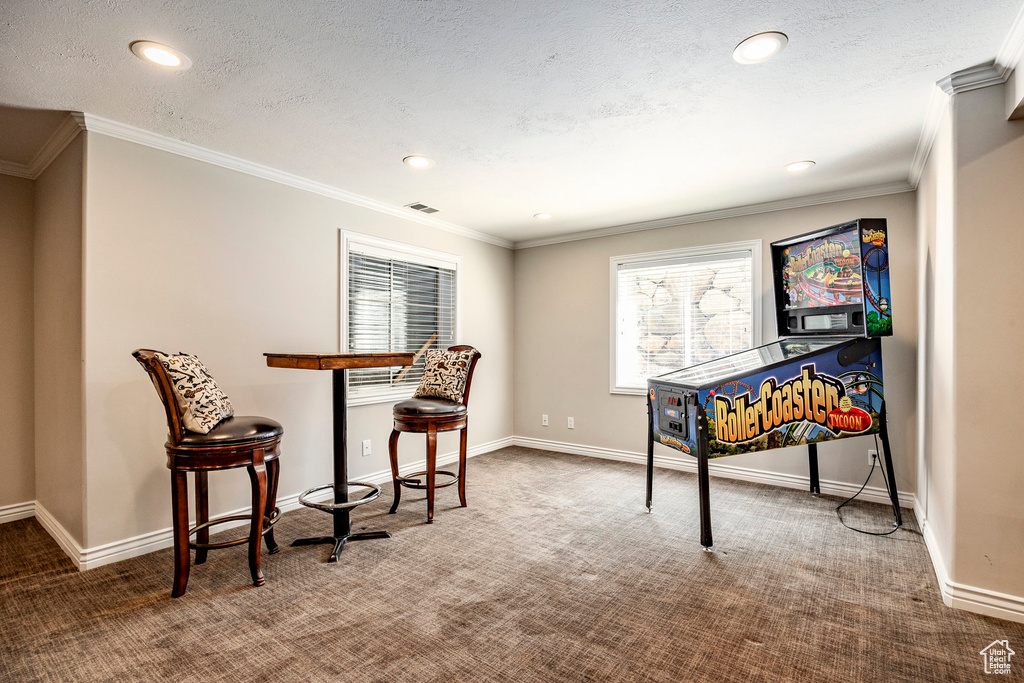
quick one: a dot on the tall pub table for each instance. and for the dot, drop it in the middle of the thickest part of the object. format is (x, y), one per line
(338, 363)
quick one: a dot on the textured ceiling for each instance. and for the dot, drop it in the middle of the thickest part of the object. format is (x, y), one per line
(601, 112)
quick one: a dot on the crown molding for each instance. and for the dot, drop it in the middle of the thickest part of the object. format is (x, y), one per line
(996, 72)
(733, 212)
(114, 129)
(1011, 52)
(929, 132)
(973, 78)
(16, 170)
(51, 149)
(69, 128)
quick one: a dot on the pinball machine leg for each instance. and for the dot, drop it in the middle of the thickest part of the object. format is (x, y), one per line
(704, 490)
(890, 474)
(812, 461)
(650, 455)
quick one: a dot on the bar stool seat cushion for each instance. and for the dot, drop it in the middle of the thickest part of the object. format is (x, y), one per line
(235, 430)
(428, 407)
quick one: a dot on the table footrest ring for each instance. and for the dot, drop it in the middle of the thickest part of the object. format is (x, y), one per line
(372, 494)
(268, 524)
(410, 481)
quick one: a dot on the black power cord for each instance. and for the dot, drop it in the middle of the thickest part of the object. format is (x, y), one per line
(895, 525)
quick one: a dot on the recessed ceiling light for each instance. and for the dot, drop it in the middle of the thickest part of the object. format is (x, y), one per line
(160, 54)
(417, 161)
(798, 166)
(542, 216)
(760, 47)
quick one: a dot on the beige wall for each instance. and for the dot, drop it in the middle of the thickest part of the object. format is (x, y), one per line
(562, 337)
(936, 359)
(1015, 93)
(17, 462)
(989, 162)
(59, 435)
(183, 255)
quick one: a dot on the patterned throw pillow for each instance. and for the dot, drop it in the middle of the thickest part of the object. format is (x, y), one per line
(444, 375)
(201, 401)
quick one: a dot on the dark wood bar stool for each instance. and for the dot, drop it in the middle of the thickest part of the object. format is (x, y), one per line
(430, 416)
(250, 442)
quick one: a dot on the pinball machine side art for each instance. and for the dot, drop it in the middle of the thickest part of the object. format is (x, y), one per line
(802, 402)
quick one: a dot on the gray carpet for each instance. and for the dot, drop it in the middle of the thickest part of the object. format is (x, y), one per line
(555, 572)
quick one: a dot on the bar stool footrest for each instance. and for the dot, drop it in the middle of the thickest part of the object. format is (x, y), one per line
(268, 524)
(372, 494)
(410, 481)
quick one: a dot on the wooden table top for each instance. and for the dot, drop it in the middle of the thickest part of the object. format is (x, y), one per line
(338, 361)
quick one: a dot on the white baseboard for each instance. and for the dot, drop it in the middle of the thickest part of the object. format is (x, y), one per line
(10, 513)
(962, 596)
(98, 556)
(108, 553)
(875, 494)
(65, 540)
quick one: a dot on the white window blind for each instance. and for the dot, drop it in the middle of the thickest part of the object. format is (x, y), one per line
(673, 310)
(398, 299)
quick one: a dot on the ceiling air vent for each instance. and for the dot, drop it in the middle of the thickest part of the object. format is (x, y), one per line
(422, 207)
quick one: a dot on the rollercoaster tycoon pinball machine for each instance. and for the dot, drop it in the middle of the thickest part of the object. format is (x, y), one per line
(821, 381)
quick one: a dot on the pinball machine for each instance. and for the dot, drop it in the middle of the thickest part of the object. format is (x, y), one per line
(821, 381)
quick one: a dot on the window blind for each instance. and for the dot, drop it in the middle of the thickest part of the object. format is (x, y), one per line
(395, 304)
(678, 312)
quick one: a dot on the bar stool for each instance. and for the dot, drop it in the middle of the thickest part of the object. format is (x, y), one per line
(432, 414)
(250, 442)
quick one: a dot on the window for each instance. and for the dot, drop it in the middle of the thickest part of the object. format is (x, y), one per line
(395, 298)
(673, 309)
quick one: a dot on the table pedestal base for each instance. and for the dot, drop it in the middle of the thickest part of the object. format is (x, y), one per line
(339, 541)
(339, 509)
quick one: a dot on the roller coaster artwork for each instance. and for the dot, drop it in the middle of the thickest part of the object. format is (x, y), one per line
(880, 265)
(864, 388)
(828, 285)
(858, 385)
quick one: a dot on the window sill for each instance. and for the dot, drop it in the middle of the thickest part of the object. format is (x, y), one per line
(369, 398)
(628, 391)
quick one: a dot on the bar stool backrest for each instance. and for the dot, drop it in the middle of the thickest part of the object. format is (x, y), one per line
(162, 382)
(472, 367)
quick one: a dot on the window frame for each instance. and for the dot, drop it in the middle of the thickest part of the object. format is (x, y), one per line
(753, 246)
(394, 250)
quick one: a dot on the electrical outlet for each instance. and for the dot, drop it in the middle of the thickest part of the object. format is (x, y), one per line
(366, 447)
(544, 420)
(572, 423)
(872, 456)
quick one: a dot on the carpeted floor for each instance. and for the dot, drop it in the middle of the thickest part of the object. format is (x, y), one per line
(555, 572)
